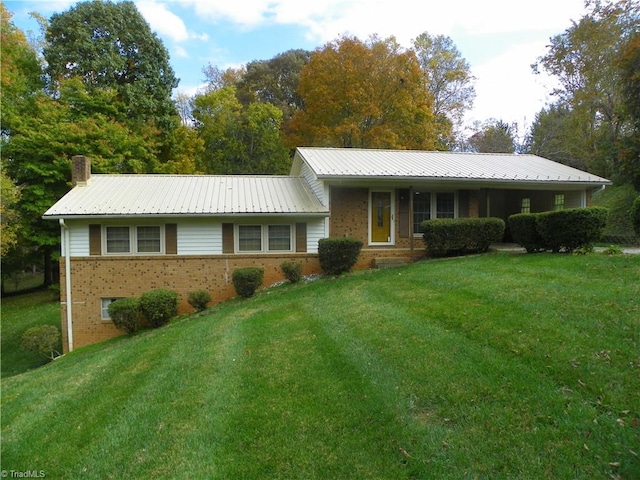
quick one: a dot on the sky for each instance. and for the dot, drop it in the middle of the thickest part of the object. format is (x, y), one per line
(499, 38)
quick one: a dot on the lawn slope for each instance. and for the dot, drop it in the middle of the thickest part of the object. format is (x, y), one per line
(496, 366)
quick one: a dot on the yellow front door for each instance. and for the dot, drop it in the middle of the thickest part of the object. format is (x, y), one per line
(381, 217)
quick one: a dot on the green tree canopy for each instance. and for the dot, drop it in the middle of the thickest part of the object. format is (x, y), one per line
(110, 45)
(449, 81)
(239, 140)
(494, 136)
(363, 94)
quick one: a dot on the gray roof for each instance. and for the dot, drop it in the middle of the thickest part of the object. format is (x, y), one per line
(149, 195)
(351, 163)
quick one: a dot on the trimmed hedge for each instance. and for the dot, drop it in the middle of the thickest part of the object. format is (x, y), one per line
(562, 230)
(43, 339)
(338, 254)
(199, 299)
(247, 280)
(159, 306)
(292, 271)
(457, 236)
(125, 314)
(524, 232)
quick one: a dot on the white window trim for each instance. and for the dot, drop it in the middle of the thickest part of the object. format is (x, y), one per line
(105, 308)
(264, 237)
(133, 240)
(434, 205)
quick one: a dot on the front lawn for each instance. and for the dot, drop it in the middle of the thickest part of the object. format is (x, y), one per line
(493, 366)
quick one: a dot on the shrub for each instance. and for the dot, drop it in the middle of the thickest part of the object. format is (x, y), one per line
(43, 339)
(292, 271)
(125, 314)
(247, 280)
(613, 250)
(199, 299)
(159, 306)
(572, 228)
(338, 254)
(635, 215)
(455, 236)
(524, 231)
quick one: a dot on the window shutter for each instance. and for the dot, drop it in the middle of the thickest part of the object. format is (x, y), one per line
(301, 237)
(227, 238)
(403, 212)
(95, 240)
(171, 238)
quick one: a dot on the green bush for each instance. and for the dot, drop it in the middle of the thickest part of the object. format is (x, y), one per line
(292, 271)
(456, 236)
(570, 229)
(247, 280)
(524, 231)
(635, 215)
(125, 314)
(199, 299)
(43, 339)
(159, 306)
(338, 254)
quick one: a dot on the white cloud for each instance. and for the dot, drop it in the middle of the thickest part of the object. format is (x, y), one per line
(162, 20)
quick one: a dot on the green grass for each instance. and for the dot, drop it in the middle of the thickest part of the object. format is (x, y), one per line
(19, 313)
(495, 366)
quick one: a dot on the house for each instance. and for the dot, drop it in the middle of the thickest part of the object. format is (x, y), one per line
(123, 235)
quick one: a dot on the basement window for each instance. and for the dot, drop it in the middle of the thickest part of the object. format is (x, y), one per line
(104, 307)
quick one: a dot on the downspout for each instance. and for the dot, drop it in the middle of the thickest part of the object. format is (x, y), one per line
(67, 281)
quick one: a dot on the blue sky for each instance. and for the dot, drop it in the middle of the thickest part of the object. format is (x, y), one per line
(499, 38)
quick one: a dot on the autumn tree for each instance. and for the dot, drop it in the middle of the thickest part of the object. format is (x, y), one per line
(363, 94)
(238, 139)
(449, 81)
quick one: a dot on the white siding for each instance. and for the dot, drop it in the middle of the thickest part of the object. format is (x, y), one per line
(574, 199)
(317, 186)
(199, 237)
(78, 238)
(315, 231)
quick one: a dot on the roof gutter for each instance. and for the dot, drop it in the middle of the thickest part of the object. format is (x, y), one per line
(67, 280)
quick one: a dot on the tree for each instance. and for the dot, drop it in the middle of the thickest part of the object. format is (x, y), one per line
(363, 94)
(110, 45)
(239, 140)
(584, 60)
(275, 81)
(449, 81)
(629, 63)
(494, 136)
(9, 218)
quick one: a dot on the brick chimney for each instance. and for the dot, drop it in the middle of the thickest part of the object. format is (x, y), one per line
(80, 170)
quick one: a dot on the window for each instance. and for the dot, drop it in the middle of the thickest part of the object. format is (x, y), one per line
(558, 202)
(104, 307)
(265, 238)
(148, 239)
(140, 239)
(118, 240)
(428, 205)
(446, 205)
(250, 238)
(526, 205)
(421, 209)
(280, 237)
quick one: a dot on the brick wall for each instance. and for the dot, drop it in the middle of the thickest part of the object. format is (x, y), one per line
(94, 278)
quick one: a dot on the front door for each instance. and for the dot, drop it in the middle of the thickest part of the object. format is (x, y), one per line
(380, 220)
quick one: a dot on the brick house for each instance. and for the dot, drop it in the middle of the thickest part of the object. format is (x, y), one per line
(123, 235)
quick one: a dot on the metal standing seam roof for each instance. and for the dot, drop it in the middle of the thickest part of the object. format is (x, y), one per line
(344, 163)
(129, 195)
